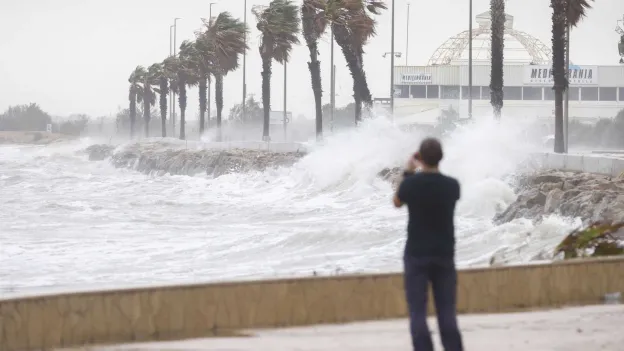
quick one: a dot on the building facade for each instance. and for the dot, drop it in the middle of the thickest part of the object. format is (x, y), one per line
(595, 91)
(421, 91)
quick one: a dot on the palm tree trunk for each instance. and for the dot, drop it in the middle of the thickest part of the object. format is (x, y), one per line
(497, 8)
(202, 103)
(315, 72)
(559, 69)
(266, 95)
(219, 102)
(182, 101)
(361, 93)
(163, 105)
(146, 109)
(132, 113)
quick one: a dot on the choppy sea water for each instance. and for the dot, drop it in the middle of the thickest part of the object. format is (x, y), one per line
(67, 223)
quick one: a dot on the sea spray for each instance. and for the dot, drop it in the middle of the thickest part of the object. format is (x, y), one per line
(69, 222)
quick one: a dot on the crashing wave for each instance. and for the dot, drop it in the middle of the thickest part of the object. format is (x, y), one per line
(158, 158)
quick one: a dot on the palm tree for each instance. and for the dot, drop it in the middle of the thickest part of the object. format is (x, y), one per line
(199, 69)
(497, 12)
(149, 98)
(135, 94)
(314, 22)
(564, 12)
(353, 27)
(170, 66)
(278, 25)
(187, 68)
(162, 79)
(221, 45)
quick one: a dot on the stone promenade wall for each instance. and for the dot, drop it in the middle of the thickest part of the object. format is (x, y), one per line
(164, 313)
(588, 163)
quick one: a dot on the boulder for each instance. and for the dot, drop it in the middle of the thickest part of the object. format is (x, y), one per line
(590, 197)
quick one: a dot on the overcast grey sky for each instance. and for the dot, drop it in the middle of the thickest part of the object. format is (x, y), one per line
(75, 56)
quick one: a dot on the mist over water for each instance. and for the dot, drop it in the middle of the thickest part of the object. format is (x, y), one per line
(67, 223)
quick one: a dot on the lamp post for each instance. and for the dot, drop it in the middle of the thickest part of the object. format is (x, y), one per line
(175, 52)
(392, 64)
(285, 96)
(245, 66)
(566, 105)
(209, 82)
(332, 86)
(470, 60)
(392, 56)
(170, 92)
(407, 35)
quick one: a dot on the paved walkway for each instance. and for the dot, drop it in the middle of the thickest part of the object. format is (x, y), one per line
(580, 328)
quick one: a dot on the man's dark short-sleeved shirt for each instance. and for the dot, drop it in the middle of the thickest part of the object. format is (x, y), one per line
(431, 199)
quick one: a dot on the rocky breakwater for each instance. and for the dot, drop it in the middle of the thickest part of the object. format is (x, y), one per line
(162, 158)
(591, 197)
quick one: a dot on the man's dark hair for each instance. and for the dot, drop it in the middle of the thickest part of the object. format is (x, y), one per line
(431, 152)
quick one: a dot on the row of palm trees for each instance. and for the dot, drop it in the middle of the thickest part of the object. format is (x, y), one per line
(219, 44)
(566, 14)
(214, 53)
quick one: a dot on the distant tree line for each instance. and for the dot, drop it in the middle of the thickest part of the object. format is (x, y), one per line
(31, 117)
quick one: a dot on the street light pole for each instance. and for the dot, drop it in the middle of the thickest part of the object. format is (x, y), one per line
(470, 61)
(567, 93)
(407, 35)
(209, 82)
(285, 105)
(245, 66)
(392, 65)
(175, 52)
(332, 100)
(170, 93)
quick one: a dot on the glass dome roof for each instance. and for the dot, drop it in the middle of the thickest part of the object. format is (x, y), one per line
(520, 47)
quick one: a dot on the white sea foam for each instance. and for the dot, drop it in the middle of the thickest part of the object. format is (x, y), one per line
(67, 223)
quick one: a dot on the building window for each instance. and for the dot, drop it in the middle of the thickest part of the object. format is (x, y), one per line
(589, 94)
(485, 93)
(433, 91)
(607, 94)
(401, 91)
(549, 93)
(531, 93)
(418, 91)
(621, 94)
(476, 92)
(512, 93)
(449, 92)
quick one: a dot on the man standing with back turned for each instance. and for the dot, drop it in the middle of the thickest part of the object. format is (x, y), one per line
(430, 249)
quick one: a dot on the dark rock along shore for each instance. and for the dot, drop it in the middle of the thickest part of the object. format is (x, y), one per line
(156, 158)
(591, 197)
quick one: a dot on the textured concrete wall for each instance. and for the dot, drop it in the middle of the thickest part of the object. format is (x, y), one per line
(613, 166)
(215, 309)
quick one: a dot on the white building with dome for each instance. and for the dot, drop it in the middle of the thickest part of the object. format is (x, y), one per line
(421, 91)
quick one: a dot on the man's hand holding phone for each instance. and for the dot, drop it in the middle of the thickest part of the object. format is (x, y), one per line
(413, 163)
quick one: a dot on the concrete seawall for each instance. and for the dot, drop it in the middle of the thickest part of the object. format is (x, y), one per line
(589, 163)
(180, 312)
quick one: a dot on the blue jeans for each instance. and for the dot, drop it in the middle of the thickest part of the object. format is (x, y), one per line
(440, 271)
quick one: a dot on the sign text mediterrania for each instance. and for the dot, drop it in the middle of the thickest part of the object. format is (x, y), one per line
(416, 78)
(543, 75)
